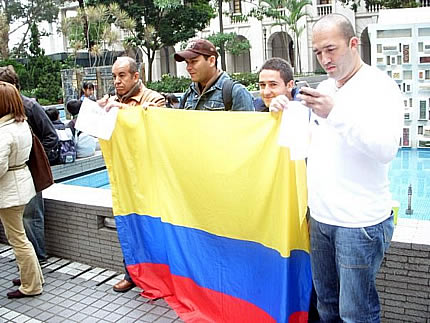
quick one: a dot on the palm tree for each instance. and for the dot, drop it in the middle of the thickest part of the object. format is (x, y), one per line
(297, 11)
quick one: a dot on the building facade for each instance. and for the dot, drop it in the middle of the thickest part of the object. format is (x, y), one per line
(403, 52)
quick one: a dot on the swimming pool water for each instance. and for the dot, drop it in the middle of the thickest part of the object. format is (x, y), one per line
(99, 179)
(411, 166)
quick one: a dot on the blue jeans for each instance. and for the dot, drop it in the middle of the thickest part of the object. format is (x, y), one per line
(127, 274)
(34, 225)
(344, 266)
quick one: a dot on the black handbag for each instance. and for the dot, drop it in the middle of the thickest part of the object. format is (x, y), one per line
(38, 164)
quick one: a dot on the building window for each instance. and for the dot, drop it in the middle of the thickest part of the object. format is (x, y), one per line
(427, 75)
(420, 130)
(407, 75)
(406, 54)
(394, 33)
(379, 48)
(236, 6)
(423, 110)
(399, 60)
(420, 47)
(410, 102)
(405, 137)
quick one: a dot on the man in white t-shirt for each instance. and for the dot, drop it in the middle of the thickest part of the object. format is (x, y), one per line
(355, 134)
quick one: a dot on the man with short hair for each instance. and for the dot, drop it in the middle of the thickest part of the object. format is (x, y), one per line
(34, 213)
(129, 88)
(275, 80)
(355, 134)
(206, 91)
(129, 91)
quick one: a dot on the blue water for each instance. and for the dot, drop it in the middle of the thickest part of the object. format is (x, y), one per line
(411, 166)
(98, 179)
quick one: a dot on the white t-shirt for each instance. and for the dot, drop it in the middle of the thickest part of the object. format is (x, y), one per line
(350, 151)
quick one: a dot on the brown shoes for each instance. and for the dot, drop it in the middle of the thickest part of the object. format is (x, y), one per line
(18, 294)
(16, 282)
(123, 286)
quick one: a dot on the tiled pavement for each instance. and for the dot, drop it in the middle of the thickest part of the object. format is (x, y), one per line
(76, 292)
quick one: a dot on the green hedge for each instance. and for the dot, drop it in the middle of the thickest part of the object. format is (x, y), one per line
(173, 84)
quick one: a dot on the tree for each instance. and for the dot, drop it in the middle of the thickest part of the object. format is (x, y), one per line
(161, 23)
(230, 42)
(286, 19)
(99, 34)
(24, 14)
(296, 10)
(44, 73)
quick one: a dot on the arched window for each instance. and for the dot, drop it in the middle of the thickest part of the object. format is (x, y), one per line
(242, 62)
(167, 62)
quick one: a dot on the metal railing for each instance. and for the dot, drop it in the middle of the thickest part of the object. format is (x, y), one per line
(324, 9)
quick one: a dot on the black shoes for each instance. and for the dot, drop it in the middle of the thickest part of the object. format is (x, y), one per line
(18, 294)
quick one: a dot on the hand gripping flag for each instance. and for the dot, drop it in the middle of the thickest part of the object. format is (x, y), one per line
(210, 214)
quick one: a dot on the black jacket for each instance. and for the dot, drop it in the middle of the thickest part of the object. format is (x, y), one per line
(42, 127)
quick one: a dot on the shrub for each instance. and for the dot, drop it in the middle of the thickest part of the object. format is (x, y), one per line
(249, 80)
(170, 84)
(173, 84)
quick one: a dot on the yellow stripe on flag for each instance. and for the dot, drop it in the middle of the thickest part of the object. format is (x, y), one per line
(217, 172)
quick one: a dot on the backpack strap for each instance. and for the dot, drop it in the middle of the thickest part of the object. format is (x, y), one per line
(227, 90)
(184, 99)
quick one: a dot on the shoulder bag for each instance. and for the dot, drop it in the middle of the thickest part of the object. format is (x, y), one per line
(39, 165)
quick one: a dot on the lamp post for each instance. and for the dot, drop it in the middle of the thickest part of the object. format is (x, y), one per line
(264, 42)
(409, 209)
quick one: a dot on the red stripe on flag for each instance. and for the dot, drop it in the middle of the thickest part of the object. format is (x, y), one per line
(194, 303)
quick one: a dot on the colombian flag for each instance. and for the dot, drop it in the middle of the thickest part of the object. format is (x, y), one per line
(210, 214)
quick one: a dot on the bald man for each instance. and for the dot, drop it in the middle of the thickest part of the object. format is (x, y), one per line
(356, 125)
(129, 91)
(129, 88)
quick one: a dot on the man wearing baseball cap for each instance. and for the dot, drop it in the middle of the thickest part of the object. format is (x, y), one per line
(206, 91)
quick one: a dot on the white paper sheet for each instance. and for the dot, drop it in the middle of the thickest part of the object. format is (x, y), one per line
(95, 121)
(294, 130)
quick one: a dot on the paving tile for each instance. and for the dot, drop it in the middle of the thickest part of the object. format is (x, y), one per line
(67, 303)
(56, 319)
(21, 318)
(77, 307)
(133, 304)
(123, 310)
(89, 310)
(91, 320)
(158, 310)
(44, 316)
(34, 321)
(112, 317)
(3, 310)
(126, 320)
(78, 317)
(164, 319)
(33, 312)
(148, 317)
(100, 303)
(101, 314)
(67, 312)
(10, 315)
(136, 313)
(171, 314)
(121, 300)
(111, 307)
